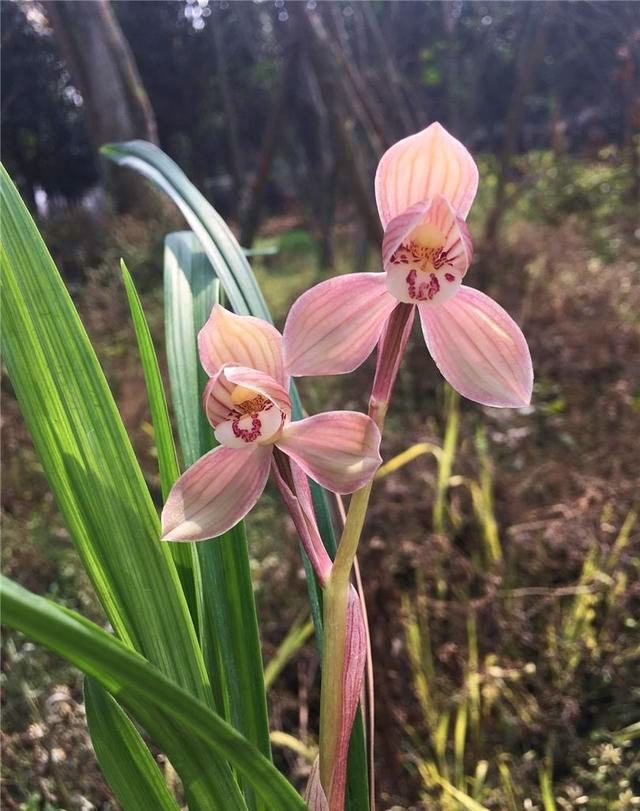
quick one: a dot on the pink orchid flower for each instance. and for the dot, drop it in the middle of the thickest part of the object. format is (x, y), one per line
(425, 185)
(247, 403)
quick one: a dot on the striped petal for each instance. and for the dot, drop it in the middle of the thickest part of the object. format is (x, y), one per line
(262, 383)
(339, 449)
(215, 493)
(399, 228)
(479, 349)
(217, 398)
(333, 328)
(422, 166)
(241, 339)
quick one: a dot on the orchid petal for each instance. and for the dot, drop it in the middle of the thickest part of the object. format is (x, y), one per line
(479, 349)
(338, 449)
(399, 228)
(457, 244)
(263, 383)
(217, 397)
(215, 493)
(242, 339)
(333, 328)
(422, 166)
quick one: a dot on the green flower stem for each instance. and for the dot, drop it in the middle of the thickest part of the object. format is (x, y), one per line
(335, 602)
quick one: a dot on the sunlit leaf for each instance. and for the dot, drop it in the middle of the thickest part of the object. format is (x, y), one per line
(155, 701)
(230, 637)
(126, 762)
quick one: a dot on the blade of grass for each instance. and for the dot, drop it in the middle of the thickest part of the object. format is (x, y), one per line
(184, 555)
(126, 762)
(137, 685)
(290, 645)
(459, 742)
(431, 775)
(479, 778)
(545, 777)
(446, 457)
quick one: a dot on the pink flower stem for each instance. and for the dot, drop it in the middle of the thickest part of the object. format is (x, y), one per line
(336, 593)
(293, 487)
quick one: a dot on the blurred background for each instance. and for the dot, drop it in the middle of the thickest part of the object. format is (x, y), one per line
(501, 557)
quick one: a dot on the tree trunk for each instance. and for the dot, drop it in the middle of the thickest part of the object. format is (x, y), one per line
(340, 110)
(250, 211)
(530, 56)
(236, 167)
(103, 68)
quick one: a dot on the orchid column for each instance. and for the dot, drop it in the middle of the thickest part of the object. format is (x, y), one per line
(424, 186)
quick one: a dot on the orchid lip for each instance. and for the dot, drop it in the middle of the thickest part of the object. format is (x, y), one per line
(420, 270)
(255, 419)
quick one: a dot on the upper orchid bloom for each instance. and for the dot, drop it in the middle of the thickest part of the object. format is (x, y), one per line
(425, 185)
(247, 403)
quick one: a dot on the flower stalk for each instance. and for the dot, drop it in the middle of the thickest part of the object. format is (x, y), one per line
(337, 707)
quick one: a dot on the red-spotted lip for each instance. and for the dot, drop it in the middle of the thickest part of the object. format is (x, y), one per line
(217, 397)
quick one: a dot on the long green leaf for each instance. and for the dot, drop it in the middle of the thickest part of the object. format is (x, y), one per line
(190, 291)
(224, 253)
(94, 476)
(132, 773)
(230, 638)
(184, 555)
(137, 684)
(86, 454)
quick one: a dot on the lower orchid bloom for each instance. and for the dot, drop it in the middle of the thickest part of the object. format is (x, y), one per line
(247, 403)
(425, 185)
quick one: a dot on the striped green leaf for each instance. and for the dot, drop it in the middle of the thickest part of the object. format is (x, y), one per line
(126, 762)
(162, 707)
(98, 485)
(87, 456)
(184, 555)
(230, 638)
(219, 244)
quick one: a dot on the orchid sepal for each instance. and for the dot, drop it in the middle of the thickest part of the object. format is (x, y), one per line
(479, 349)
(334, 327)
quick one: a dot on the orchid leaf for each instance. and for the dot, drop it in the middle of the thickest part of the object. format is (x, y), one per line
(98, 485)
(184, 555)
(219, 244)
(87, 456)
(126, 762)
(230, 638)
(164, 709)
